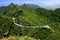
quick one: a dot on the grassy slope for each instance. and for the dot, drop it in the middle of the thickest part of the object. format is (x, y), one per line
(33, 19)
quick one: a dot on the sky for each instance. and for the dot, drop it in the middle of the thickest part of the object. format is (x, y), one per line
(42, 3)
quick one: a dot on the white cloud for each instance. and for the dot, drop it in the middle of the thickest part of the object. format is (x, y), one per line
(51, 3)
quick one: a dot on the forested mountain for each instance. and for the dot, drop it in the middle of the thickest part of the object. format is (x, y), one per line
(30, 5)
(31, 16)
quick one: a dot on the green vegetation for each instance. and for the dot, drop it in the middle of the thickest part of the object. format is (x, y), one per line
(30, 17)
(18, 38)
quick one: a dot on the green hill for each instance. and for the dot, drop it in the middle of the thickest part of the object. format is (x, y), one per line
(30, 17)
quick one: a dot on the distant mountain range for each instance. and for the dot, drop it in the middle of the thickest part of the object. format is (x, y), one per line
(30, 5)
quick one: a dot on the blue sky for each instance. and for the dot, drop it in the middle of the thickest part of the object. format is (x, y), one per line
(42, 3)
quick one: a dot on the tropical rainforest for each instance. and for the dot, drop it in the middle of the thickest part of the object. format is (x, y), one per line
(32, 15)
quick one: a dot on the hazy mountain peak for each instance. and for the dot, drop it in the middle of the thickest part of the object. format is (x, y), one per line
(30, 5)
